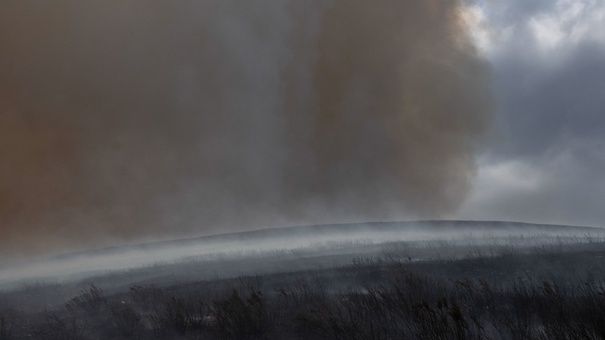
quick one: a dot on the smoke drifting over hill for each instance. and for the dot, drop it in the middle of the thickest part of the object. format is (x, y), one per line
(123, 120)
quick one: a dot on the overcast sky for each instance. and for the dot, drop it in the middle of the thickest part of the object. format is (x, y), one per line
(546, 159)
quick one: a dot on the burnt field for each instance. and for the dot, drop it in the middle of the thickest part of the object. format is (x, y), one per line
(395, 280)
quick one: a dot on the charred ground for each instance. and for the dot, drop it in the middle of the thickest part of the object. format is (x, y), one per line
(414, 280)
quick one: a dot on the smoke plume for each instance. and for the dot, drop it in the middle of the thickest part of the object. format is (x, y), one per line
(134, 120)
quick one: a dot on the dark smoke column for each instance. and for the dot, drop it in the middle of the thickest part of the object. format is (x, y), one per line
(123, 121)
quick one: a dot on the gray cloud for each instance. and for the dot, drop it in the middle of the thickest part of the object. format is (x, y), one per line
(548, 59)
(545, 105)
(564, 187)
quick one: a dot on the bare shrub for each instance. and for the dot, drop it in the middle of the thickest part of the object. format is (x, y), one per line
(90, 300)
(147, 298)
(240, 317)
(7, 325)
(126, 319)
(57, 327)
(179, 316)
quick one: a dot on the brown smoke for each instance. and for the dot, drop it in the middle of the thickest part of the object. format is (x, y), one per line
(133, 120)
